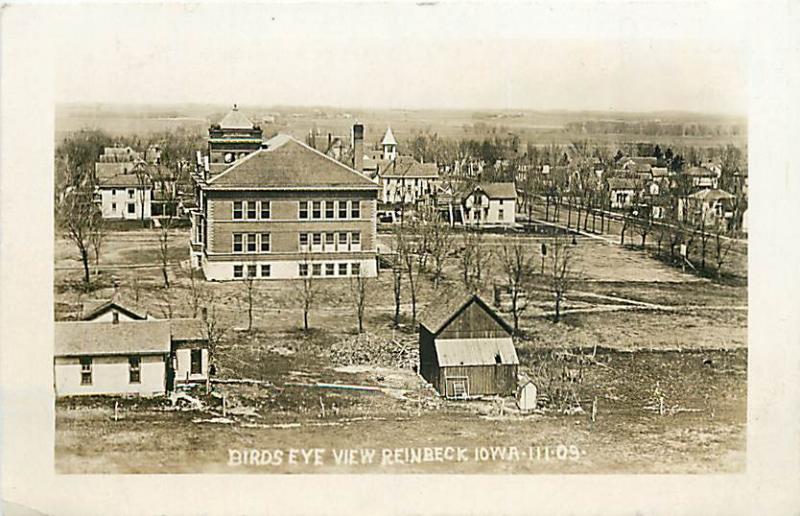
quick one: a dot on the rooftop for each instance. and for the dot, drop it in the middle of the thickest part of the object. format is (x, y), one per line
(107, 338)
(448, 305)
(286, 162)
(498, 190)
(470, 352)
(388, 138)
(408, 167)
(235, 119)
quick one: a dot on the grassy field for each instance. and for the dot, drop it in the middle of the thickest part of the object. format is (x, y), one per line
(669, 375)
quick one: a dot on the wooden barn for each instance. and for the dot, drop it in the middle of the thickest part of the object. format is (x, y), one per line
(466, 349)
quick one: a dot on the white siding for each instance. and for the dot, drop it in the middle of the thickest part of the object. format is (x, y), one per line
(110, 375)
(284, 269)
(114, 203)
(183, 366)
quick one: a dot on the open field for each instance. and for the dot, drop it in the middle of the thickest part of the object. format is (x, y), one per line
(689, 335)
(537, 127)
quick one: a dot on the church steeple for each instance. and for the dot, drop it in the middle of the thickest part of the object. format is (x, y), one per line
(389, 145)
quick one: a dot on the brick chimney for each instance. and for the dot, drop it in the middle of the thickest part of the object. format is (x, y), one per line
(358, 147)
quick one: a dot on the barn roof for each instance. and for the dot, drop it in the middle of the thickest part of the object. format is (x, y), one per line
(289, 163)
(471, 352)
(107, 338)
(447, 306)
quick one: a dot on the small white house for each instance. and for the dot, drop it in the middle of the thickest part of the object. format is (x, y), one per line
(492, 204)
(124, 197)
(139, 357)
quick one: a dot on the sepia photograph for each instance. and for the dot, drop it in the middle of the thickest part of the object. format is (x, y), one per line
(371, 278)
(382, 239)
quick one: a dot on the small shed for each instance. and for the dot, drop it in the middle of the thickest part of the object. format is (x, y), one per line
(466, 349)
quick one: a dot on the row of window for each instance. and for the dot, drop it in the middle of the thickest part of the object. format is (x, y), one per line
(314, 210)
(251, 242)
(135, 367)
(131, 191)
(252, 271)
(251, 210)
(330, 269)
(309, 210)
(314, 242)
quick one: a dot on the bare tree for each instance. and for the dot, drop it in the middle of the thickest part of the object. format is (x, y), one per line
(170, 204)
(722, 247)
(466, 257)
(143, 179)
(79, 216)
(307, 289)
(214, 331)
(408, 252)
(96, 237)
(518, 264)
(440, 238)
(397, 273)
(196, 290)
(249, 287)
(559, 271)
(358, 289)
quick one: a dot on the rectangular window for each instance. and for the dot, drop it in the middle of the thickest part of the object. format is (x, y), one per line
(86, 370)
(265, 242)
(134, 368)
(316, 210)
(342, 269)
(329, 211)
(265, 210)
(329, 241)
(316, 269)
(355, 241)
(251, 271)
(303, 214)
(251, 210)
(317, 239)
(355, 269)
(197, 361)
(130, 193)
(303, 241)
(343, 241)
(238, 271)
(237, 243)
(113, 206)
(131, 207)
(355, 210)
(303, 269)
(500, 214)
(266, 271)
(330, 269)
(237, 210)
(342, 209)
(113, 191)
(251, 242)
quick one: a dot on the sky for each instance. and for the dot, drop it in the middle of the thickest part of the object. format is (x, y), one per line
(623, 56)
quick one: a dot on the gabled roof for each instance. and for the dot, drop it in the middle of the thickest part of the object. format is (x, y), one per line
(638, 160)
(235, 119)
(449, 305)
(188, 329)
(471, 352)
(92, 311)
(712, 195)
(498, 190)
(388, 138)
(107, 338)
(286, 162)
(121, 180)
(408, 167)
